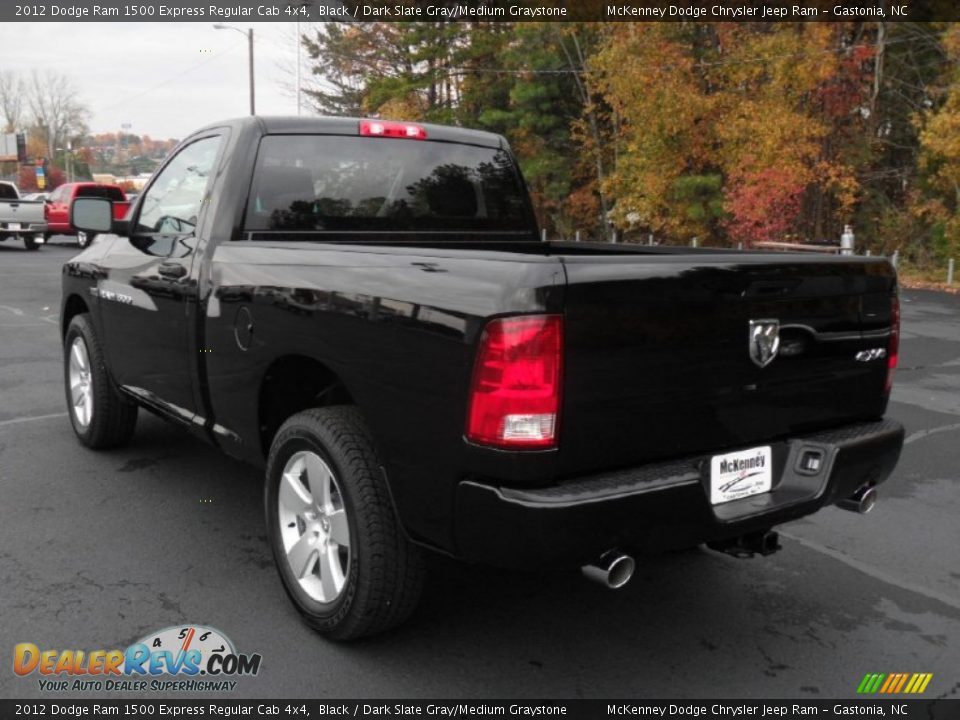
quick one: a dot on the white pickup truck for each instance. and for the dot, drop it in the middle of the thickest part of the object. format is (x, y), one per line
(21, 218)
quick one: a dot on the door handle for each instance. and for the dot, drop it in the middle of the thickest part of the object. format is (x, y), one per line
(172, 270)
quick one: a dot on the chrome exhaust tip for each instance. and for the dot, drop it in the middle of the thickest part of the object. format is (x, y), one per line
(862, 501)
(613, 569)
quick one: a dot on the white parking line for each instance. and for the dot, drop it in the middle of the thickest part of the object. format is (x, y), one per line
(32, 418)
(920, 434)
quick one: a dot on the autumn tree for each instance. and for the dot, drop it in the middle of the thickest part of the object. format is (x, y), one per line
(728, 132)
(648, 76)
(940, 147)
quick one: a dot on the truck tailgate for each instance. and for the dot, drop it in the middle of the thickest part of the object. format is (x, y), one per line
(22, 212)
(658, 360)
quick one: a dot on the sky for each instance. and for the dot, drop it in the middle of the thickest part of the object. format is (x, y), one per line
(163, 79)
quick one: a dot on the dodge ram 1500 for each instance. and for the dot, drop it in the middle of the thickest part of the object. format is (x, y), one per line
(364, 309)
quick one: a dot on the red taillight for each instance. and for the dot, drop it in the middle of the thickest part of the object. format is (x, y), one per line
(387, 128)
(893, 349)
(515, 391)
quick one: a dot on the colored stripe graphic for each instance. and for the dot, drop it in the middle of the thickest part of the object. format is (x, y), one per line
(893, 683)
(903, 680)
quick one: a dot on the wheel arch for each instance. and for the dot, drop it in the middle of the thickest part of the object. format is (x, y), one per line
(74, 305)
(291, 384)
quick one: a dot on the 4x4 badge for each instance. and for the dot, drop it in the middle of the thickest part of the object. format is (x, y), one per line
(764, 341)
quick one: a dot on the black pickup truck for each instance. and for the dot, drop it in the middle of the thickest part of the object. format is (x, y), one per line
(364, 308)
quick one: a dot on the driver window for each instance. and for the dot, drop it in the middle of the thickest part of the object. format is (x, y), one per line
(172, 203)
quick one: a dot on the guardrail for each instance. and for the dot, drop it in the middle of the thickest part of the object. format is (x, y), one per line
(804, 247)
(846, 247)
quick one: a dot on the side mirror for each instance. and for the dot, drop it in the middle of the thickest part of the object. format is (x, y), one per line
(92, 214)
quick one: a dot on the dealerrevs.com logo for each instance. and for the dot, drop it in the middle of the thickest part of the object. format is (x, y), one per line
(187, 658)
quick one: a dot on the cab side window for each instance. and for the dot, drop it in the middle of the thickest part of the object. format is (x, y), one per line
(172, 204)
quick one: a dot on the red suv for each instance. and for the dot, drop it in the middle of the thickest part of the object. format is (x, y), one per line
(57, 209)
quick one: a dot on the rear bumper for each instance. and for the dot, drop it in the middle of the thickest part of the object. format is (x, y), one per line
(664, 506)
(30, 228)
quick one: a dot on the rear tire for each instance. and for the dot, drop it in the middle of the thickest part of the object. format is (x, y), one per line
(345, 561)
(100, 415)
(30, 243)
(85, 239)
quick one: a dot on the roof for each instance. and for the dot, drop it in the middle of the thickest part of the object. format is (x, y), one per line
(294, 125)
(88, 183)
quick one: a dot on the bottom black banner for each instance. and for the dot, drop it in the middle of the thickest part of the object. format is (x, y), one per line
(933, 709)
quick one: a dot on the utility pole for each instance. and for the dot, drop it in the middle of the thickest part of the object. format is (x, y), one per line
(249, 34)
(253, 110)
(298, 67)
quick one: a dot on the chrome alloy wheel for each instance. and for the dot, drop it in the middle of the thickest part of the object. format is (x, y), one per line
(81, 384)
(313, 526)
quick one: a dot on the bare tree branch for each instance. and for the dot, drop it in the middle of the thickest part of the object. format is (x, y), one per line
(56, 108)
(11, 100)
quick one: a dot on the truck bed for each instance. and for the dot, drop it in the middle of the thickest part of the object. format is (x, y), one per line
(656, 354)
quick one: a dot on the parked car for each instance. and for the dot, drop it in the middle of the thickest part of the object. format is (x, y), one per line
(364, 309)
(21, 218)
(58, 207)
(36, 196)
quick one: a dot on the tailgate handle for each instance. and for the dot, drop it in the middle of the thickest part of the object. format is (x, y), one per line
(771, 287)
(172, 270)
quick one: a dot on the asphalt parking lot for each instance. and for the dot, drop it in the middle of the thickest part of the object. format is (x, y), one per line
(96, 550)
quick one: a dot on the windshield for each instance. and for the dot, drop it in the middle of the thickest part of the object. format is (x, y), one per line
(315, 182)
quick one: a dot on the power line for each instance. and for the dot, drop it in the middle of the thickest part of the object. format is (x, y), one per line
(701, 64)
(128, 100)
(376, 63)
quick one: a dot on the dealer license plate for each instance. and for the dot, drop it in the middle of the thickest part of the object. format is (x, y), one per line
(13, 226)
(740, 474)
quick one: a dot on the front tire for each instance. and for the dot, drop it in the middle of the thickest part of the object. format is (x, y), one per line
(100, 415)
(85, 239)
(344, 560)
